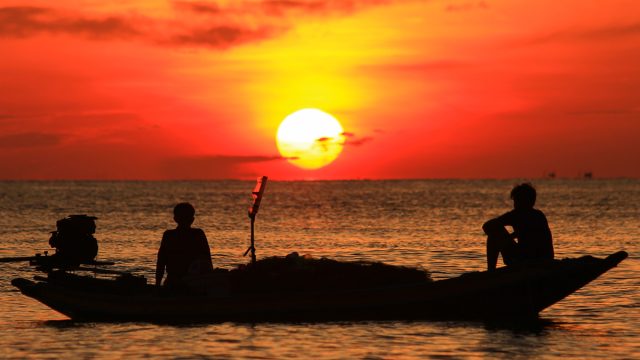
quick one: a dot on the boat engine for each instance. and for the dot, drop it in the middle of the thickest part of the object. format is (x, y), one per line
(73, 240)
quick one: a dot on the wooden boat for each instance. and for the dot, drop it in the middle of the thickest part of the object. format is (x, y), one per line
(510, 292)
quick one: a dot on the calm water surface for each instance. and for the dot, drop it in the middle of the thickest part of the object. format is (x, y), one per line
(433, 224)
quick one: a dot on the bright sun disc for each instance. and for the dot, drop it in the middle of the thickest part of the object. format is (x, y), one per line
(310, 138)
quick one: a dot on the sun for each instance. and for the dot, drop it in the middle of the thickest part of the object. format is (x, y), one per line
(310, 138)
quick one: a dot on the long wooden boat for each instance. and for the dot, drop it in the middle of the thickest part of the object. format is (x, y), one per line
(509, 292)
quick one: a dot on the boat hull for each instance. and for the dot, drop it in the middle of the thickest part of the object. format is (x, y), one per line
(511, 292)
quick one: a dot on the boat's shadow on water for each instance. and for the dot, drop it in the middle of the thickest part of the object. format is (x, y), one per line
(66, 324)
(536, 326)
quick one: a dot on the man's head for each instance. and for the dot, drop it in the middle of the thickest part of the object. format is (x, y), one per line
(524, 196)
(184, 214)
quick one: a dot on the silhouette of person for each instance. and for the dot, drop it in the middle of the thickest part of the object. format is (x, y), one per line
(183, 250)
(530, 228)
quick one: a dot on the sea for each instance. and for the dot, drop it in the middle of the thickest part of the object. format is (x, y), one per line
(432, 224)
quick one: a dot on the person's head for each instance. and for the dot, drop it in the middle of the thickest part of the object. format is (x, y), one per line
(524, 196)
(184, 214)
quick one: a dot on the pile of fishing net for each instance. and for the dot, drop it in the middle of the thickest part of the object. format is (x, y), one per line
(305, 273)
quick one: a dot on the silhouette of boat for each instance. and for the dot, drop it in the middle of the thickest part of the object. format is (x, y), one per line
(510, 292)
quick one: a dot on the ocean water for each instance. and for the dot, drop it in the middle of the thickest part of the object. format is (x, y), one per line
(435, 224)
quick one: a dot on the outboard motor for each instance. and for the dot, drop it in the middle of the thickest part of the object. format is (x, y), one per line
(74, 241)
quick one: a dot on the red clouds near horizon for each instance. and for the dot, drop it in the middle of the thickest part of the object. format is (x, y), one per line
(424, 89)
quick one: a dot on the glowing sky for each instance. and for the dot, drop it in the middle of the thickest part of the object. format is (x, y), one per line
(424, 89)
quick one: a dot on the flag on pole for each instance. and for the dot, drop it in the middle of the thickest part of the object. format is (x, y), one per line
(256, 194)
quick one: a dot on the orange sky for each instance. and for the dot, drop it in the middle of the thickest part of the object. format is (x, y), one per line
(428, 89)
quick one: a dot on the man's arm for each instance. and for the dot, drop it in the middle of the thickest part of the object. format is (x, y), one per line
(497, 225)
(206, 251)
(548, 238)
(161, 262)
(492, 226)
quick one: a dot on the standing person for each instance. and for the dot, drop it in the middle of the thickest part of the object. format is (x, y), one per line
(183, 250)
(530, 228)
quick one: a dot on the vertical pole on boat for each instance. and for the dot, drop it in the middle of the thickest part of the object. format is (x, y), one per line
(253, 247)
(253, 211)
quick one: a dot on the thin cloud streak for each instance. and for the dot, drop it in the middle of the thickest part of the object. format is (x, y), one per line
(27, 21)
(350, 139)
(279, 8)
(358, 141)
(29, 140)
(467, 6)
(606, 33)
(202, 7)
(211, 167)
(223, 37)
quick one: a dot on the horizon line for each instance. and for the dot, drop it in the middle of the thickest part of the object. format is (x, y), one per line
(324, 180)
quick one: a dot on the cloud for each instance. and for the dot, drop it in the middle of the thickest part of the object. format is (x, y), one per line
(221, 26)
(211, 167)
(467, 6)
(198, 7)
(612, 31)
(277, 8)
(352, 140)
(223, 37)
(29, 140)
(282, 7)
(237, 159)
(231, 21)
(358, 141)
(597, 33)
(348, 139)
(434, 67)
(24, 21)
(603, 112)
(82, 130)
(326, 142)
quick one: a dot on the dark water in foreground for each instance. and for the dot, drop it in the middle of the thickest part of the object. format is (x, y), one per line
(434, 224)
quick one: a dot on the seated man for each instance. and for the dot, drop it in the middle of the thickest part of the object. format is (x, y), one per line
(183, 250)
(530, 228)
